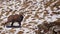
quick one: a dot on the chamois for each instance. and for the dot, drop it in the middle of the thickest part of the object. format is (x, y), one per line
(15, 18)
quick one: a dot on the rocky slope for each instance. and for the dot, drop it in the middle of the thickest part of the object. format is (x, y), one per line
(35, 12)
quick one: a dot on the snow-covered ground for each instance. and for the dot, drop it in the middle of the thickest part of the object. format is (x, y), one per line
(35, 13)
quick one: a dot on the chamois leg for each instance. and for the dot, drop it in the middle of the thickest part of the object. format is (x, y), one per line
(19, 24)
(12, 23)
(54, 32)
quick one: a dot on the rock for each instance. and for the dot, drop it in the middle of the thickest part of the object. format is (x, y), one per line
(1, 28)
(11, 30)
(20, 32)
